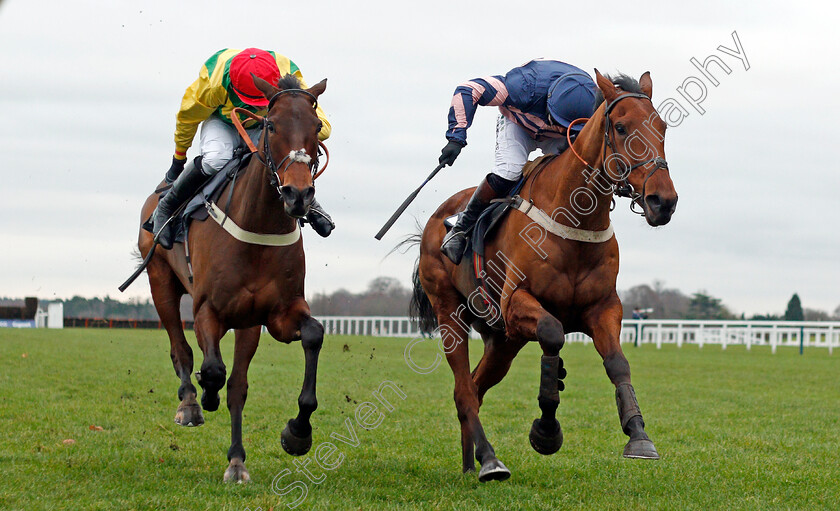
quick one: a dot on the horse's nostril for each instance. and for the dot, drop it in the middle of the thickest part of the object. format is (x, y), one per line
(309, 195)
(653, 201)
(289, 194)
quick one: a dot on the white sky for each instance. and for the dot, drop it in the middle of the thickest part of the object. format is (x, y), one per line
(89, 92)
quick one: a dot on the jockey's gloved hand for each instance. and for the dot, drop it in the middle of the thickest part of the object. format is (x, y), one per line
(450, 152)
(175, 170)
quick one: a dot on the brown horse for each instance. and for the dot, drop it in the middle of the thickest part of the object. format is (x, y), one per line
(242, 286)
(539, 284)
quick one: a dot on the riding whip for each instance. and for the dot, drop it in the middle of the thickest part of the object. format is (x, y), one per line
(405, 204)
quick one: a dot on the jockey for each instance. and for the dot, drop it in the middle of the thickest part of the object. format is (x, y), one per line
(223, 83)
(537, 102)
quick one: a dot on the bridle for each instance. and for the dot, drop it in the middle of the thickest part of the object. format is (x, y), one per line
(623, 188)
(277, 170)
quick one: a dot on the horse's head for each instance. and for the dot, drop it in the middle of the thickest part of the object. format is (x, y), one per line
(290, 139)
(634, 147)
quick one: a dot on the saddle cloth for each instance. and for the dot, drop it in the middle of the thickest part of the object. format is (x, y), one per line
(210, 192)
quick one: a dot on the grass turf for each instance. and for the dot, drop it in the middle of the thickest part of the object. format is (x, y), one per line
(736, 429)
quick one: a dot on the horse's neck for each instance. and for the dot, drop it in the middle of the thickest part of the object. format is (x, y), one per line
(256, 205)
(559, 192)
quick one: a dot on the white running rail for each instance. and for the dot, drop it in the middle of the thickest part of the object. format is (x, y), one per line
(804, 334)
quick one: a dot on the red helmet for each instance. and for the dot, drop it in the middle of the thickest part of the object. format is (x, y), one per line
(259, 62)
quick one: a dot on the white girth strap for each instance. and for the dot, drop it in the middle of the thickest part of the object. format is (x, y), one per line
(570, 233)
(270, 240)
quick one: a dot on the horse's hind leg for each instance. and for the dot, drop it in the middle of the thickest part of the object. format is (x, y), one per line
(526, 319)
(237, 392)
(604, 324)
(499, 352)
(473, 438)
(166, 294)
(296, 437)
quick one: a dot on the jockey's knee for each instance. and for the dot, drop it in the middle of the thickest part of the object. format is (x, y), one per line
(215, 157)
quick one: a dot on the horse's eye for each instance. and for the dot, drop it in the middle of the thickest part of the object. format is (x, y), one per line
(619, 128)
(270, 127)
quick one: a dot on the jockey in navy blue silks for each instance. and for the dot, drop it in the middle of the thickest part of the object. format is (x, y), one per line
(537, 102)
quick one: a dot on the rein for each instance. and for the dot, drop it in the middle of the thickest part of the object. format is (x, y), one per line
(623, 187)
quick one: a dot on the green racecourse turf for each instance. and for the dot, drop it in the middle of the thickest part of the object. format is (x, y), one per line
(736, 429)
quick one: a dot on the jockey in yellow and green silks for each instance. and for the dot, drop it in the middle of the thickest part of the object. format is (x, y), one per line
(225, 82)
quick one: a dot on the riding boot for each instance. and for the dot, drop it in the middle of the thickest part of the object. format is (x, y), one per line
(319, 219)
(182, 190)
(455, 242)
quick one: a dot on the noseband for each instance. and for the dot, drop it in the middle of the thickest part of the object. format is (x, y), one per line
(623, 188)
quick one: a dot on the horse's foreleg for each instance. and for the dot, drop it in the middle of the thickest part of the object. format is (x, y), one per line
(604, 323)
(211, 377)
(297, 435)
(166, 294)
(237, 392)
(526, 319)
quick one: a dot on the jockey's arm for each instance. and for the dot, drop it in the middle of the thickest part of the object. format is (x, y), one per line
(199, 101)
(487, 91)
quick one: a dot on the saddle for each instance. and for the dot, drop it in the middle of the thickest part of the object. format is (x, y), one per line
(485, 227)
(481, 233)
(196, 207)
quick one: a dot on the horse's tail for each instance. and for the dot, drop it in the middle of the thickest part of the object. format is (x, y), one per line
(420, 309)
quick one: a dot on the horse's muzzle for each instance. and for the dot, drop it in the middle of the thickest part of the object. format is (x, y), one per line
(658, 209)
(297, 201)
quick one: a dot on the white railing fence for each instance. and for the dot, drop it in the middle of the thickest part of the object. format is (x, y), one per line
(801, 334)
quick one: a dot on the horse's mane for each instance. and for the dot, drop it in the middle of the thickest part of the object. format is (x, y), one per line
(624, 82)
(289, 81)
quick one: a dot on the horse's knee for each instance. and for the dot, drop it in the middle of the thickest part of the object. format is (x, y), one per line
(550, 334)
(617, 367)
(311, 334)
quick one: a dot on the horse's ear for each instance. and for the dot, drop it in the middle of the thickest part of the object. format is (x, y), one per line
(266, 88)
(606, 86)
(318, 89)
(646, 84)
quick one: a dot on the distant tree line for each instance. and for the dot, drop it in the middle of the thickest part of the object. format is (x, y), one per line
(386, 296)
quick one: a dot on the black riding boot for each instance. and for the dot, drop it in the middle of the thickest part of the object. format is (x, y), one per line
(182, 190)
(455, 242)
(319, 219)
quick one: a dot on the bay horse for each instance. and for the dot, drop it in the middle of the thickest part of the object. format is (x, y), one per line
(545, 278)
(244, 285)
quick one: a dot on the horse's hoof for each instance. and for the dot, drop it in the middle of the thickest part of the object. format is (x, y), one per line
(189, 415)
(641, 448)
(293, 444)
(545, 443)
(236, 472)
(493, 470)
(210, 400)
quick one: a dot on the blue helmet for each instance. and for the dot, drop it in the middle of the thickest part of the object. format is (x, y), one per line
(571, 97)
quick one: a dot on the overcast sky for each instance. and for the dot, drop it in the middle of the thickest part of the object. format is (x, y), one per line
(90, 90)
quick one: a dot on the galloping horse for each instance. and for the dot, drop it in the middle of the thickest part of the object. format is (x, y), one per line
(244, 285)
(551, 277)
